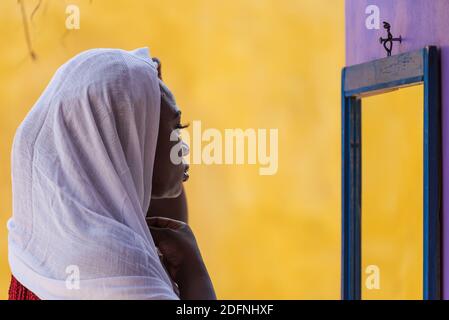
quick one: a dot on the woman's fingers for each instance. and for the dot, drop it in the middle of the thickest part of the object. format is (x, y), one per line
(161, 235)
(162, 222)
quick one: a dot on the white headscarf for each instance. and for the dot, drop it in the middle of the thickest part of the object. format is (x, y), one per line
(82, 165)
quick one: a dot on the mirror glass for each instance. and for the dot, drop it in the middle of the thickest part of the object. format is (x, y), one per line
(392, 195)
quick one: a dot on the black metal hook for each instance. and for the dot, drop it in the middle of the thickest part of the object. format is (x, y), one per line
(388, 42)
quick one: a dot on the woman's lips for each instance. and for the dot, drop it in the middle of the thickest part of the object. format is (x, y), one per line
(186, 173)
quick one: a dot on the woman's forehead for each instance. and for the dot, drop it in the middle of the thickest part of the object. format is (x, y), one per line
(168, 103)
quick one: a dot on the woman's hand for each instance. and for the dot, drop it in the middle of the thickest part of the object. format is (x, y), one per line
(182, 257)
(175, 241)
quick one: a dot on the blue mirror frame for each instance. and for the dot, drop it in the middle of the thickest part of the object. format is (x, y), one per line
(420, 67)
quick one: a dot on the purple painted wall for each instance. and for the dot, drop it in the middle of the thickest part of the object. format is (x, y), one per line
(421, 23)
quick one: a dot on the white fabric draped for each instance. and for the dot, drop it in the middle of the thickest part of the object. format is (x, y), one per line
(82, 164)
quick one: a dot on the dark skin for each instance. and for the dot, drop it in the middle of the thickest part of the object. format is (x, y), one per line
(182, 258)
(167, 216)
(173, 208)
(168, 173)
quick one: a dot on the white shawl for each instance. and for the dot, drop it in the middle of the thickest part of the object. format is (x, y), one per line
(82, 165)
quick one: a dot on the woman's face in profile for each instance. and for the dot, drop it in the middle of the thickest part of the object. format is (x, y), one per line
(168, 175)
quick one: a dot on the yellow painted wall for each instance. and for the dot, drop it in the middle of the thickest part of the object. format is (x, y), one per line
(392, 201)
(231, 64)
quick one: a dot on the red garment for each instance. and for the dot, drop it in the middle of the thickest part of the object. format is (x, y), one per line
(18, 292)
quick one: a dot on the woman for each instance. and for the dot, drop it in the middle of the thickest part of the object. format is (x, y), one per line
(85, 162)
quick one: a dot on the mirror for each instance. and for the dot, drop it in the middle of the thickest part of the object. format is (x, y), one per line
(401, 249)
(392, 195)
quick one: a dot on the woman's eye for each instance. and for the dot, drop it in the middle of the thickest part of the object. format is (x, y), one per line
(182, 126)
